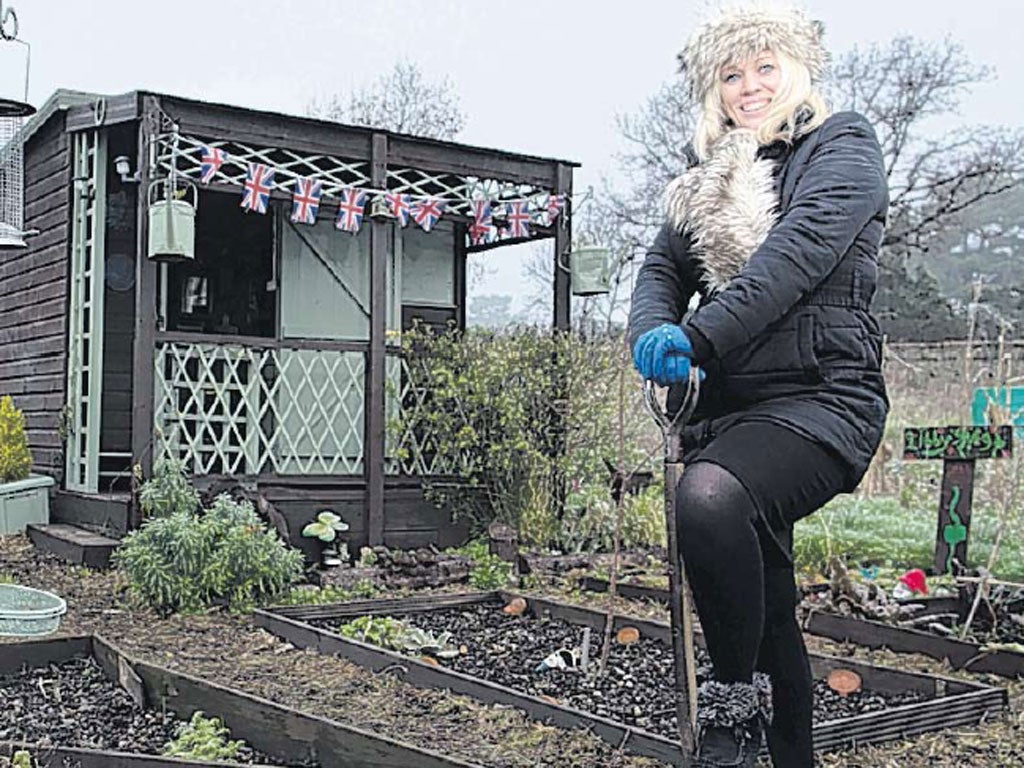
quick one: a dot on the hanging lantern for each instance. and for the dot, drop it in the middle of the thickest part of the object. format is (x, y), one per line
(589, 272)
(14, 61)
(172, 220)
(14, 106)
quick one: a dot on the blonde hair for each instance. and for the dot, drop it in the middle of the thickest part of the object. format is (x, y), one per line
(797, 108)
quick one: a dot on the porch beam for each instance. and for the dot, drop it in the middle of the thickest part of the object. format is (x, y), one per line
(563, 243)
(143, 344)
(373, 446)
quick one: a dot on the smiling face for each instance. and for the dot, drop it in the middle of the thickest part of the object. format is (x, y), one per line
(748, 87)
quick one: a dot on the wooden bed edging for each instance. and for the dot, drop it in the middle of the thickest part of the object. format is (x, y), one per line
(873, 634)
(276, 730)
(953, 702)
(876, 634)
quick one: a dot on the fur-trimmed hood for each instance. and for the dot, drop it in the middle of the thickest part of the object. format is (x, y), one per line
(745, 32)
(727, 204)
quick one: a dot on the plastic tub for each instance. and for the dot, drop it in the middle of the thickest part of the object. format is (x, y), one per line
(27, 611)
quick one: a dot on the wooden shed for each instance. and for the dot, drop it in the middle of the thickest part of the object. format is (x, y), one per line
(267, 357)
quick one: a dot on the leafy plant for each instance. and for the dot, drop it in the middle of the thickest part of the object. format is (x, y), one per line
(203, 738)
(186, 561)
(168, 490)
(486, 571)
(326, 527)
(15, 456)
(389, 632)
(328, 594)
(367, 557)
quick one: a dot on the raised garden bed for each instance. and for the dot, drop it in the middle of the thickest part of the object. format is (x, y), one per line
(79, 701)
(960, 654)
(892, 705)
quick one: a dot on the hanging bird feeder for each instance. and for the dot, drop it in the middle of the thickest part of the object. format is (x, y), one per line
(14, 106)
(172, 220)
(589, 272)
(14, 61)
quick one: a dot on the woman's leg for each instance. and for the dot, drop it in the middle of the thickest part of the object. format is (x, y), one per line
(783, 657)
(715, 520)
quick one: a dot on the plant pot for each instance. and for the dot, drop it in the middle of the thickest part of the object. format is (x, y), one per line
(23, 502)
(27, 611)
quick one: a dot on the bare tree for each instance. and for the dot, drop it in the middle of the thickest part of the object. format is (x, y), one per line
(932, 181)
(401, 100)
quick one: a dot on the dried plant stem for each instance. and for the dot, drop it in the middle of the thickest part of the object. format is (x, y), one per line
(613, 577)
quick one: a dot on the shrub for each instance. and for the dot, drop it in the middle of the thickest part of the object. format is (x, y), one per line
(15, 457)
(512, 416)
(168, 491)
(187, 561)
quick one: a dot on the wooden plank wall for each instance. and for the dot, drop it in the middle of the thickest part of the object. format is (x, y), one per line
(33, 297)
(410, 520)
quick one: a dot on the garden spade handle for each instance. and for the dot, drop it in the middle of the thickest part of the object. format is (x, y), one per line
(684, 659)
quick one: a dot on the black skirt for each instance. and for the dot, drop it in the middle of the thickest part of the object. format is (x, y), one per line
(787, 476)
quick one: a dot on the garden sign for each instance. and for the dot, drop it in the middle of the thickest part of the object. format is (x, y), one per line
(959, 448)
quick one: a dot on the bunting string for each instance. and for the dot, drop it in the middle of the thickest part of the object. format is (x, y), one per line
(495, 213)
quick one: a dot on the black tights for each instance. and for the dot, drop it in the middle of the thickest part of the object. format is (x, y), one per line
(745, 595)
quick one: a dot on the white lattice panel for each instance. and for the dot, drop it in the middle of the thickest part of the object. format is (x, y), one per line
(412, 445)
(237, 410)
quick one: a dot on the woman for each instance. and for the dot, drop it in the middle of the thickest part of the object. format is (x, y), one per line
(777, 227)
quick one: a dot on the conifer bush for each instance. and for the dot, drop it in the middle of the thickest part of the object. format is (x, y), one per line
(15, 456)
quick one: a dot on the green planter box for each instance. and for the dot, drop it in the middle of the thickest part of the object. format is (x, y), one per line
(23, 502)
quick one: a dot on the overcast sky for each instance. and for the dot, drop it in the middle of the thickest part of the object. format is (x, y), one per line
(545, 77)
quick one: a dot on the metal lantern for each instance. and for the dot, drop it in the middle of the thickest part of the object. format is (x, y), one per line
(14, 106)
(14, 65)
(589, 271)
(172, 220)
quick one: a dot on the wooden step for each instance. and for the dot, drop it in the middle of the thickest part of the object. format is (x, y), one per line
(107, 513)
(73, 544)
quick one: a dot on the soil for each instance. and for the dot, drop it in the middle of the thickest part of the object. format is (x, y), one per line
(74, 704)
(636, 689)
(231, 650)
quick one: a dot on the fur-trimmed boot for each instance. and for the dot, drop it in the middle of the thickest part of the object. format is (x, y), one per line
(730, 721)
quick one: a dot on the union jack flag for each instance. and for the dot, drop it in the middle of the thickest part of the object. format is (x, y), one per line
(350, 210)
(482, 224)
(210, 162)
(554, 206)
(258, 183)
(518, 215)
(306, 200)
(427, 211)
(398, 204)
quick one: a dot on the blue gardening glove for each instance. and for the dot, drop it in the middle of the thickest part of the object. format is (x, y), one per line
(662, 354)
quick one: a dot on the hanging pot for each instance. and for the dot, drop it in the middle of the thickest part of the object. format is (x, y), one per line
(588, 271)
(172, 220)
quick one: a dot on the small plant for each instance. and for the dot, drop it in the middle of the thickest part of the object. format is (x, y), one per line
(168, 491)
(15, 457)
(389, 632)
(227, 555)
(486, 571)
(328, 594)
(367, 557)
(203, 738)
(326, 527)
(23, 759)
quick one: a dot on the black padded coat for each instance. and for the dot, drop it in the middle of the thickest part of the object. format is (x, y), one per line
(790, 339)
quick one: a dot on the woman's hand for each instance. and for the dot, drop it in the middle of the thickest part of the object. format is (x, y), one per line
(663, 355)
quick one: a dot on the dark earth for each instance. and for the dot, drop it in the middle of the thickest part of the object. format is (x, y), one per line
(636, 688)
(74, 704)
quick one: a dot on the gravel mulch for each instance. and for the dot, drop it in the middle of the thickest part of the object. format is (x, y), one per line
(636, 689)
